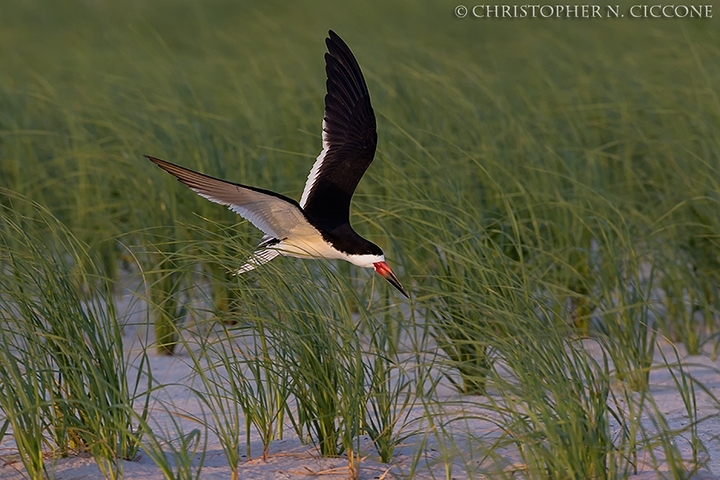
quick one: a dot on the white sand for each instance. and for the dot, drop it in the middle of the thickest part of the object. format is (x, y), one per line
(290, 459)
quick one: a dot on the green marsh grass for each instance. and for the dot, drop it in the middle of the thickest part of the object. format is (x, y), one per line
(536, 181)
(561, 424)
(243, 388)
(280, 358)
(165, 285)
(391, 391)
(62, 367)
(224, 401)
(178, 454)
(317, 345)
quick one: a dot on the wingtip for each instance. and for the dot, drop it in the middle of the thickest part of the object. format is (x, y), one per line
(161, 163)
(334, 39)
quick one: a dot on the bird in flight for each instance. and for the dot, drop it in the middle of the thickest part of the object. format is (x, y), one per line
(319, 225)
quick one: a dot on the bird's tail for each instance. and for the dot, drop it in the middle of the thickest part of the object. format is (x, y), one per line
(257, 259)
(263, 254)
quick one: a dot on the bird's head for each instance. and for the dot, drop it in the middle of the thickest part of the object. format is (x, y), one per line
(384, 270)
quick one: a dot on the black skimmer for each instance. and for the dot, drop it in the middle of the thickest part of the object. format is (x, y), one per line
(319, 225)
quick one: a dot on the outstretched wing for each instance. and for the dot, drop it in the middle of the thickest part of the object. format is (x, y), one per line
(349, 139)
(276, 215)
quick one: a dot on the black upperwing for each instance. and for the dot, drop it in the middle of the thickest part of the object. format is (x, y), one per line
(349, 140)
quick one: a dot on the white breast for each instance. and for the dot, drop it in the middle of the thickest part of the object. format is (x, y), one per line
(314, 246)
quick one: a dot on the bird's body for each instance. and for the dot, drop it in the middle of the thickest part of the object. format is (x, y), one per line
(319, 225)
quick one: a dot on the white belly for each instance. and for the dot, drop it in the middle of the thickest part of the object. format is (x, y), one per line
(316, 247)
